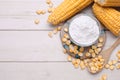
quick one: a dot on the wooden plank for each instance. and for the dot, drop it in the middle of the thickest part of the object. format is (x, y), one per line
(21, 14)
(30, 46)
(49, 71)
(34, 46)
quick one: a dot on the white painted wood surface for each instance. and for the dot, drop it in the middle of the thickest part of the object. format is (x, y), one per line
(26, 51)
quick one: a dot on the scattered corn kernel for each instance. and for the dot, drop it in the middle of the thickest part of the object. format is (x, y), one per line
(69, 58)
(37, 21)
(64, 40)
(87, 54)
(101, 39)
(38, 12)
(75, 47)
(93, 55)
(111, 67)
(76, 65)
(43, 12)
(68, 42)
(65, 51)
(118, 55)
(119, 51)
(55, 31)
(50, 10)
(94, 47)
(81, 49)
(118, 66)
(96, 64)
(91, 50)
(80, 54)
(107, 66)
(114, 62)
(66, 29)
(96, 51)
(51, 5)
(99, 49)
(110, 63)
(104, 77)
(59, 28)
(99, 45)
(66, 36)
(50, 34)
(48, 1)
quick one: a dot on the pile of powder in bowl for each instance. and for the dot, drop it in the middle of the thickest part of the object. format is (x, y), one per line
(84, 30)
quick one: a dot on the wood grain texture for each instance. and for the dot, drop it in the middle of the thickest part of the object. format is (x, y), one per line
(34, 46)
(20, 14)
(49, 71)
(26, 51)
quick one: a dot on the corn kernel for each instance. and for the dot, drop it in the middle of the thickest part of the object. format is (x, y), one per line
(37, 21)
(99, 49)
(71, 51)
(59, 28)
(51, 5)
(110, 63)
(50, 10)
(38, 12)
(66, 29)
(68, 42)
(81, 49)
(65, 51)
(118, 55)
(87, 54)
(73, 61)
(50, 34)
(94, 47)
(100, 57)
(76, 65)
(96, 51)
(69, 58)
(101, 39)
(93, 55)
(55, 31)
(76, 47)
(99, 45)
(91, 50)
(119, 52)
(80, 54)
(118, 66)
(82, 67)
(104, 77)
(114, 61)
(64, 40)
(107, 66)
(48, 1)
(78, 61)
(112, 67)
(66, 36)
(75, 51)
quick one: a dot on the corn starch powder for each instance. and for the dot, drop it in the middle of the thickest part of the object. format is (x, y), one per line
(84, 30)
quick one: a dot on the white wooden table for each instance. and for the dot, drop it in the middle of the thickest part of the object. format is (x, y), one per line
(26, 51)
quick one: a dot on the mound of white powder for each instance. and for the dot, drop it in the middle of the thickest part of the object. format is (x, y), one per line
(84, 30)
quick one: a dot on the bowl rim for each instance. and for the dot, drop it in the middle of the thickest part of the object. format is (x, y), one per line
(98, 23)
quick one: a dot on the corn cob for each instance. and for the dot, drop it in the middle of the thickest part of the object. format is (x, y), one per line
(113, 3)
(67, 9)
(109, 17)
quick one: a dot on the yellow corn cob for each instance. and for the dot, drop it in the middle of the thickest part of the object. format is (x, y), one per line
(113, 3)
(67, 9)
(109, 17)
